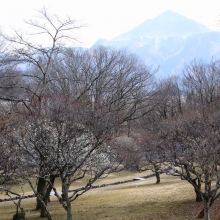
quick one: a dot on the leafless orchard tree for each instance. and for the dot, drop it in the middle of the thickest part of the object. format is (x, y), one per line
(127, 150)
(6, 152)
(169, 98)
(58, 142)
(202, 84)
(167, 101)
(10, 161)
(14, 168)
(151, 155)
(190, 145)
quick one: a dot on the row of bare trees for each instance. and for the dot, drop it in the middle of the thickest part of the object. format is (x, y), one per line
(181, 135)
(72, 114)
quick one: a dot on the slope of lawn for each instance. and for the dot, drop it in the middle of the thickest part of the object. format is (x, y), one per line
(173, 199)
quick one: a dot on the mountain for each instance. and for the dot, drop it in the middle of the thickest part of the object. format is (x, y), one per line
(168, 23)
(169, 41)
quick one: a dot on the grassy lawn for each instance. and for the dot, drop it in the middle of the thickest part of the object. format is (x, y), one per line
(173, 199)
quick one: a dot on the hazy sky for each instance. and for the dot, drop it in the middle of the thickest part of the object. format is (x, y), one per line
(108, 18)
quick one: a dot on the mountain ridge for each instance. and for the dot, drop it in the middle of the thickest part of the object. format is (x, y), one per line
(169, 49)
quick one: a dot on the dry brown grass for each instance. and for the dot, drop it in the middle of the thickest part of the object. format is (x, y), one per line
(173, 199)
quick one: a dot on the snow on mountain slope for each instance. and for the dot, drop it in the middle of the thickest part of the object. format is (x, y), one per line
(169, 41)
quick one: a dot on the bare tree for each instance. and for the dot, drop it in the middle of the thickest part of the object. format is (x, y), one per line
(34, 58)
(191, 150)
(166, 101)
(60, 139)
(169, 98)
(10, 161)
(202, 84)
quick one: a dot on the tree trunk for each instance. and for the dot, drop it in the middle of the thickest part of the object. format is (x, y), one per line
(40, 199)
(46, 198)
(69, 212)
(207, 198)
(206, 210)
(201, 214)
(157, 173)
(41, 189)
(66, 199)
(157, 177)
(198, 193)
(43, 211)
(198, 196)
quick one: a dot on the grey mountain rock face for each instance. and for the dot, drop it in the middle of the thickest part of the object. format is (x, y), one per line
(169, 41)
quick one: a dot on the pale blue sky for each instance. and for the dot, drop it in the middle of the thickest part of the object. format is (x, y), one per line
(108, 18)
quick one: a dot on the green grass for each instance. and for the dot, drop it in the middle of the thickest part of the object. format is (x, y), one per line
(173, 199)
